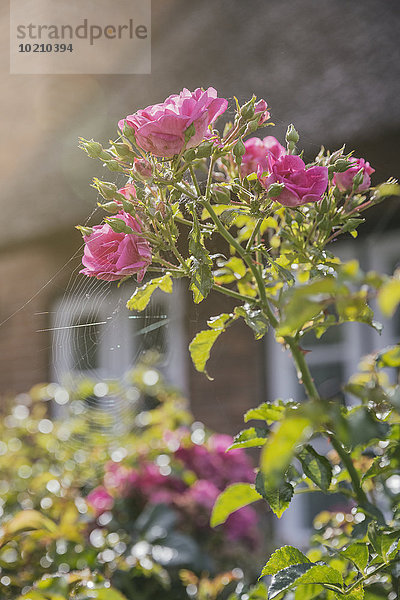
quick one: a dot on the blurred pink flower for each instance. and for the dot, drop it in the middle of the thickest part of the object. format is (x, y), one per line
(160, 128)
(100, 500)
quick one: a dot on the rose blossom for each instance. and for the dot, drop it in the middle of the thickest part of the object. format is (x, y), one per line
(110, 256)
(100, 500)
(301, 185)
(160, 129)
(257, 153)
(344, 181)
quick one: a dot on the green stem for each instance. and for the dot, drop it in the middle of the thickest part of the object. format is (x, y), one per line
(367, 576)
(243, 254)
(209, 179)
(305, 376)
(348, 463)
(254, 233)
(303, 372)
(232, 293)
(194, 179)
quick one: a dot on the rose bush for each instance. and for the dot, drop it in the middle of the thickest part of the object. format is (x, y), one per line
(271, 219)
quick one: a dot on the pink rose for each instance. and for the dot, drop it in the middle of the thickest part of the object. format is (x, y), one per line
(261, 107)
(344, 181)
(110, 256)
(301, 185)
(100, 500)
(257, 153)
(160, 129)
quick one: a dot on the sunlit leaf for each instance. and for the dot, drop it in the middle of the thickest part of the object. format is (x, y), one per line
(231, 499)
(389, 297)
(299, 574)
(282, 558)
(277, 496)
(316, 467)
(141, 296)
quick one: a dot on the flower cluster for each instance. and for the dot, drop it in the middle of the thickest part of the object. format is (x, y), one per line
(159, 149)
(188, 479)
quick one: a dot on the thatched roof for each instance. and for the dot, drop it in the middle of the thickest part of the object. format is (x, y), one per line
(333, 68)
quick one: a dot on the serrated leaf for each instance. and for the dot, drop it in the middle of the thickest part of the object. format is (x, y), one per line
(303, 574)
(202, 278)
(141, 296)
(316, 467)
(358, 554)
(200, 347)
(252, 437)
(265, 412)
(282, 558)
(278, 497)
(231, 499)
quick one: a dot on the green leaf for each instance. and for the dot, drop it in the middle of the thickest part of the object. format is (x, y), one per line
(189, 132)
(316, 467)
(363, 427)
(356, 594)
(254, 318)
(389, 297)
(107, 594)
(297, 314)
(389, 357)
(281, 447)
(384, 541)
(265, 412)
(282, 558)
(250, 438)
(200, 346)
(141, 296)
(358, 554)
(278, 497)
(231, 499)
(202, 278)
(303, 574)
(308, 591)
(26, 520)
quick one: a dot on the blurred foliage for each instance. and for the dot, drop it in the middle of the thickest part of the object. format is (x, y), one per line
(84, 508)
